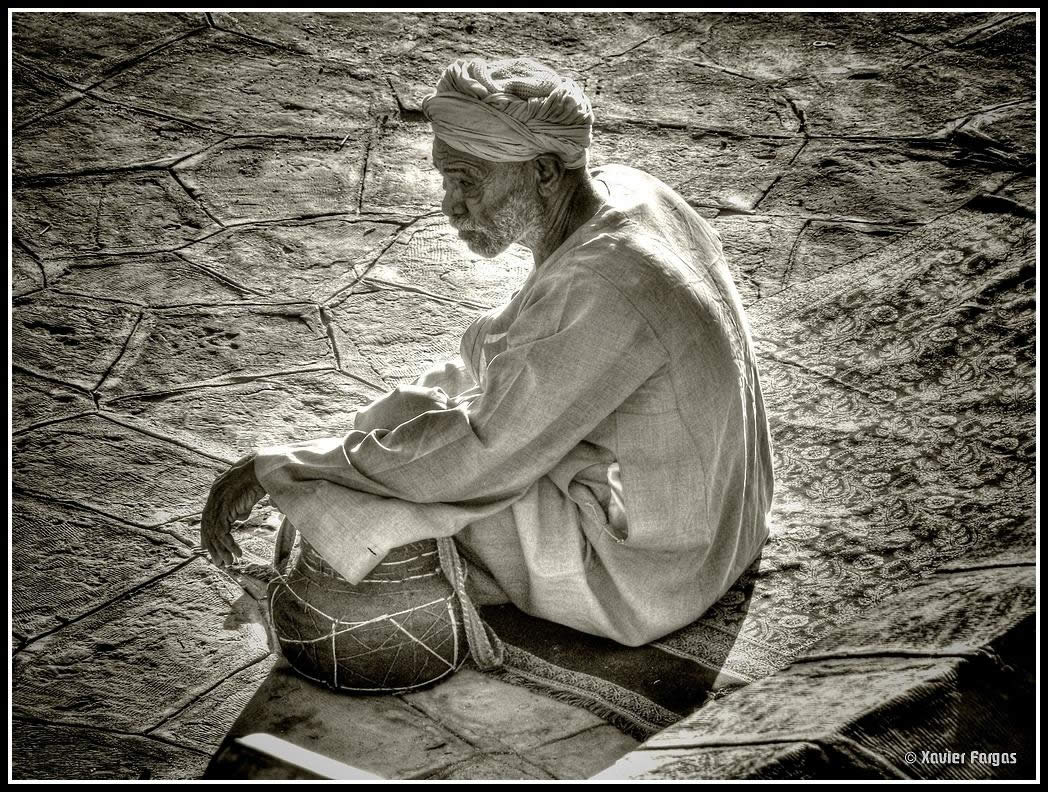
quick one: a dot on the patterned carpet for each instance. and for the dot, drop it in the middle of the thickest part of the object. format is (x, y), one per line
(900, 391)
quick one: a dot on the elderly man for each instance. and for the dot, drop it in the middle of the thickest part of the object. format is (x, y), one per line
(599, 449)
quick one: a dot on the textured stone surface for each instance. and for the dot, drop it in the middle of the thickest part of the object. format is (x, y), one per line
(26, 274)
(99, 559)
(34, 400)
(1009, 130)
(203, 723)
(433, 259)
(142, 658)
(494, 715)
(174, 348)
(768, 254)
(412, 49)
(143, 210)
(277, 92)
(879, 182)
(923, 96)
(719, 170)
(583, 755)
(33, 94)
(83, 47)
(400, 173)
(380, 734)
(686, 764)
(70, 338)
(116, 470)
(271, 178)
(307, 260)
(493, 767)
(228, 421)
(107, 136)
(940, 30)
(1022, 190)
(681, 91)
(771, 47)
(154, 279)
(401, 334)
(408, 37)
(51, 751)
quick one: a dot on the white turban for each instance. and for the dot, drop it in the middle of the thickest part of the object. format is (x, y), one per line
(510, 111)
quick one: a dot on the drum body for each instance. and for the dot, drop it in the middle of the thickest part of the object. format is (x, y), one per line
(399, 629)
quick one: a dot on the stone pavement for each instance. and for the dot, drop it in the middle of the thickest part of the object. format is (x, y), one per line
(226, 233)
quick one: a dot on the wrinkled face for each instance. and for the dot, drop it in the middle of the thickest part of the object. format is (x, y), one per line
(491, 204)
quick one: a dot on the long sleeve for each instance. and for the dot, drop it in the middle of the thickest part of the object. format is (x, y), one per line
(576, 350)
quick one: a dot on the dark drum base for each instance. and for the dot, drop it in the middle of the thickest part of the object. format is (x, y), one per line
(399, 629)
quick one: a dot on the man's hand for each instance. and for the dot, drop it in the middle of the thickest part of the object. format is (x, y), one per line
(232, 497)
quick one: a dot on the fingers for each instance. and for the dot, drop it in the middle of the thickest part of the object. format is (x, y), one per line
(232, 498)
(215, 537)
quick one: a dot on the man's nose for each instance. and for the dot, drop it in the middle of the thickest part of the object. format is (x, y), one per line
(452, 205)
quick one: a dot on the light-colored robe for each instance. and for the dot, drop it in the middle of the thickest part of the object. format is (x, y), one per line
(626, 354)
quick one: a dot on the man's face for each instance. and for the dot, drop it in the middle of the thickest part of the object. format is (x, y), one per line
(491, 204)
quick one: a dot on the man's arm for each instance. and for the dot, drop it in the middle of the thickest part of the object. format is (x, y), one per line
(577, 350)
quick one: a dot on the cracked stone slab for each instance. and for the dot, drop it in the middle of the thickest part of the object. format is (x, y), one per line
(1021, 190)
(102, 465)
(926, 96)
(725, 171)
(34, 400)
(142, 659)
(433, 259)
(1010, 130)
(768, 254)
(82, 48)
(412, 49)
(276, 92)
(228, 421)
(495, 716)
(92, 135)
(652, 87)
(879, 182)
(66, 562)
(380, 734)
(55, 751)
(939, 30)
(174, 348)
(303, 260)
(137, 210)
(684, 764)
(153, 279)
(770, 46)
(583, 755)
(204, 723)
(270, 178)
(33, 94)
(400, 175)
(26, 274)
(364, 37)
(494, 767)
(401, 334)
(73, 339)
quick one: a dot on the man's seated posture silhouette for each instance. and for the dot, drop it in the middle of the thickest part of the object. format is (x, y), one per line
(599, 449)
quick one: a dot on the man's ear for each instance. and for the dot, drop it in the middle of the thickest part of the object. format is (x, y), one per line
(549, 173)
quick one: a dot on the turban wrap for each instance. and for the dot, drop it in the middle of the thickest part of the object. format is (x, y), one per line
(510, 111)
